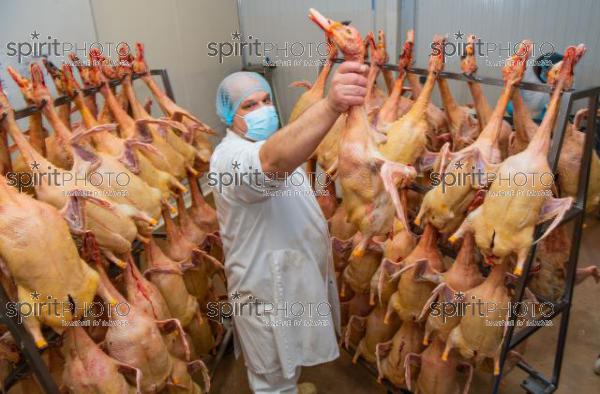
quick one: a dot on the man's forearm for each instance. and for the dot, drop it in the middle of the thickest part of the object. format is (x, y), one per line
(293, 144)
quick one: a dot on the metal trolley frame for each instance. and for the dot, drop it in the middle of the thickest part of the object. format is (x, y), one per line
(536, 382)
(32, 361)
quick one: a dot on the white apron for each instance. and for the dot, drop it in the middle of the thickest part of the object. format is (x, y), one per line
(277, 250)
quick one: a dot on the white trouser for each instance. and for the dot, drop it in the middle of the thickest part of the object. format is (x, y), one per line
(273, 383)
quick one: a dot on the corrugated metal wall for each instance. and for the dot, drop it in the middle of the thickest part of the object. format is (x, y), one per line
(556, 23)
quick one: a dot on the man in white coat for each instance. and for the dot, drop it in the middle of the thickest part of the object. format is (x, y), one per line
(278, 260)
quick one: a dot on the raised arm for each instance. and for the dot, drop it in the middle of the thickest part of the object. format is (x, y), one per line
(294, 143)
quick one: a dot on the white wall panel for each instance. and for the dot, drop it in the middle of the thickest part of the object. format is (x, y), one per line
(176, 34)
(19, 19)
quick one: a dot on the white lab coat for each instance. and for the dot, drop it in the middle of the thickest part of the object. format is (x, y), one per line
(277, 249)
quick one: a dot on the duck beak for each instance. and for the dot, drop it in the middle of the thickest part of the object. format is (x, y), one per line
(320, 20)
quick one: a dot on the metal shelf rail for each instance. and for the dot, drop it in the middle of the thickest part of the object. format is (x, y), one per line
(536, 382)
(32, 361)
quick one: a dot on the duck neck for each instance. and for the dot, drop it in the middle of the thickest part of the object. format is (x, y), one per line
(447, 99)
(163, 100)
(154, 253)
(37, 136)
(494, 126)
(122, 117)
(29, 153)
(173, 231)
(415, 85)
(422, 101)
(465, 257)
(429, 237)
(482, 107)
(61, 130)
(138, 110)
(182, 215)
(197, 199)
(86, 115)
(388, 76)
(371, 80)
(540, 143)
(390, 106)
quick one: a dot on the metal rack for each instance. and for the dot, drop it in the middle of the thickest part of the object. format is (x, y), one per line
(32, 360)
(536, 382)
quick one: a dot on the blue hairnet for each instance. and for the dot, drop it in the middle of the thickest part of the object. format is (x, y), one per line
(234, 89)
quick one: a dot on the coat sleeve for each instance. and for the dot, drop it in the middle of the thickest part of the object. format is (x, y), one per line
(236, 172)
